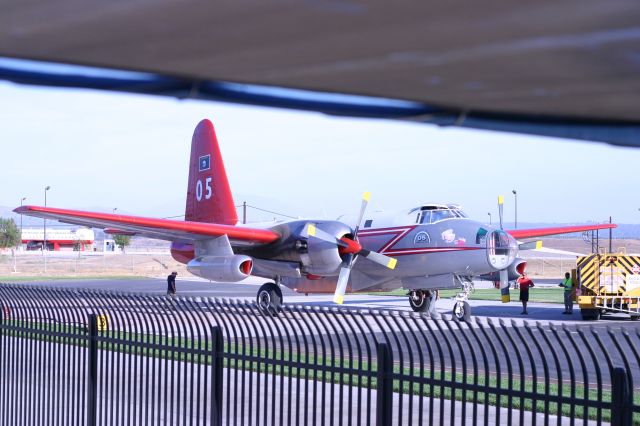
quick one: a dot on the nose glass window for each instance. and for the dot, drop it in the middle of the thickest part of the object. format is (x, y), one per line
(501, 249)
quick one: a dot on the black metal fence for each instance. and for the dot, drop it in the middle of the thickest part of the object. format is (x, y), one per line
(87, 357)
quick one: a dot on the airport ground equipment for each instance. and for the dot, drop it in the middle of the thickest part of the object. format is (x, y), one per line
(608, 282)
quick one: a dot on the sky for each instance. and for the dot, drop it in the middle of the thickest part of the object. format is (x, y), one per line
(102, 150)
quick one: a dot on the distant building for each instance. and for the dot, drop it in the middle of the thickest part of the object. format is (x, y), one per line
(58, 239)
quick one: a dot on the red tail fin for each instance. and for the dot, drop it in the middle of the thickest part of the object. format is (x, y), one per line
(209, 197)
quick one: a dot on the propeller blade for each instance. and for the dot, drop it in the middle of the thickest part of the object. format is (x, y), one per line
(343, 279)
(380, 259)
(349, 246)
(363, 207)
(531, 245)
(504, 286)
(500, 208)
(310, 230)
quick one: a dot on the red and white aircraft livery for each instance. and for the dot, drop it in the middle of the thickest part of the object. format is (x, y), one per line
(431, 246)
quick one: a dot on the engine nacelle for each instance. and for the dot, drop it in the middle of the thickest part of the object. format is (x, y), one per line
(320, 257)
(221, 268)
(516, 269)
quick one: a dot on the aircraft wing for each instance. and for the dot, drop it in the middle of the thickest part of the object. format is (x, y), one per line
(164, 229)
(541, 232)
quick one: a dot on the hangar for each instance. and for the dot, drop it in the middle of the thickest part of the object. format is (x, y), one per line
(58, 239)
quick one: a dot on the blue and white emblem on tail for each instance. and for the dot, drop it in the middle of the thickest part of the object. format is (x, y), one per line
(204, 163)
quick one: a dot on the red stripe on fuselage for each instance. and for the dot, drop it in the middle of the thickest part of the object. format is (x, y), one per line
(398, 233)
(408, 251)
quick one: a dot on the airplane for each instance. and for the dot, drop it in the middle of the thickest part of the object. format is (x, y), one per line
(420, 249)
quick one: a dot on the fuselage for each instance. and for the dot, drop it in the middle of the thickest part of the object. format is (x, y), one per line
(428, 241)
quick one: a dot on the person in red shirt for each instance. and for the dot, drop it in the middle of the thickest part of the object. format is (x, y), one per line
(525, 284)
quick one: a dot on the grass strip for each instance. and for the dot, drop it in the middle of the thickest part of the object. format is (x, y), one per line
(542, 295)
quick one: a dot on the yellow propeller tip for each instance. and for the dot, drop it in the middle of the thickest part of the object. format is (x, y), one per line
(338, 299)
(392, 263)
(500, 199)
(311, 230)
(366, 196)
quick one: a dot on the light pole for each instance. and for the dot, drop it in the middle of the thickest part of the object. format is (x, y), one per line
(21, 201)
(515, 194)
(19, 245)
(114, 210)
(44, 245)
(489, 213)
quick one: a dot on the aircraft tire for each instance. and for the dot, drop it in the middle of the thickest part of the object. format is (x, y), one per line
(462, 311)
(269, 299)
(590, 314)
(418, 300)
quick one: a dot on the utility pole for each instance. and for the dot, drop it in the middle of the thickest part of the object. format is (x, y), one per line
(19, 245)
(489, 213)
(610, 234)
(44, 244)
(244, 212)
(21, 201)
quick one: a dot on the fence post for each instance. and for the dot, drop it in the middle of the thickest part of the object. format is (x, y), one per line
(621, 398)
(92, 359)
(385, 384)
(216, 375)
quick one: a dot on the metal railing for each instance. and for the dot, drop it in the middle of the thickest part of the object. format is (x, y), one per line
(90, 357)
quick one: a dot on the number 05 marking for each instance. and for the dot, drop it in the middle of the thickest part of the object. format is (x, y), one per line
(207, 184)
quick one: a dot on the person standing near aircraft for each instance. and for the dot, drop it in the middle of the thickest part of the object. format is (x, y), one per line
(171, 284)
(567, 284)
(525, 284)
(430, 299)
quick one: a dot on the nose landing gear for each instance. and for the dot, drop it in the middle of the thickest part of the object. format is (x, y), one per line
(462, 310)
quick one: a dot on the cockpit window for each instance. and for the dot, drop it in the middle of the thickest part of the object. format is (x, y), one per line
(426, 217)
(431, 216)
(460, 213)
(438, 215)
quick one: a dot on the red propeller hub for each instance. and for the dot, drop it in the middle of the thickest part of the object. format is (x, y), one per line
(353, 247)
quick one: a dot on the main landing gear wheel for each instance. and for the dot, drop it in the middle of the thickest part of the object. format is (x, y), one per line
(590, 314)
(462, 311)
(418, 300)
(269, 299)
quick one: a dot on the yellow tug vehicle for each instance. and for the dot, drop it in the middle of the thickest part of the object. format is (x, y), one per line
(608, 282)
